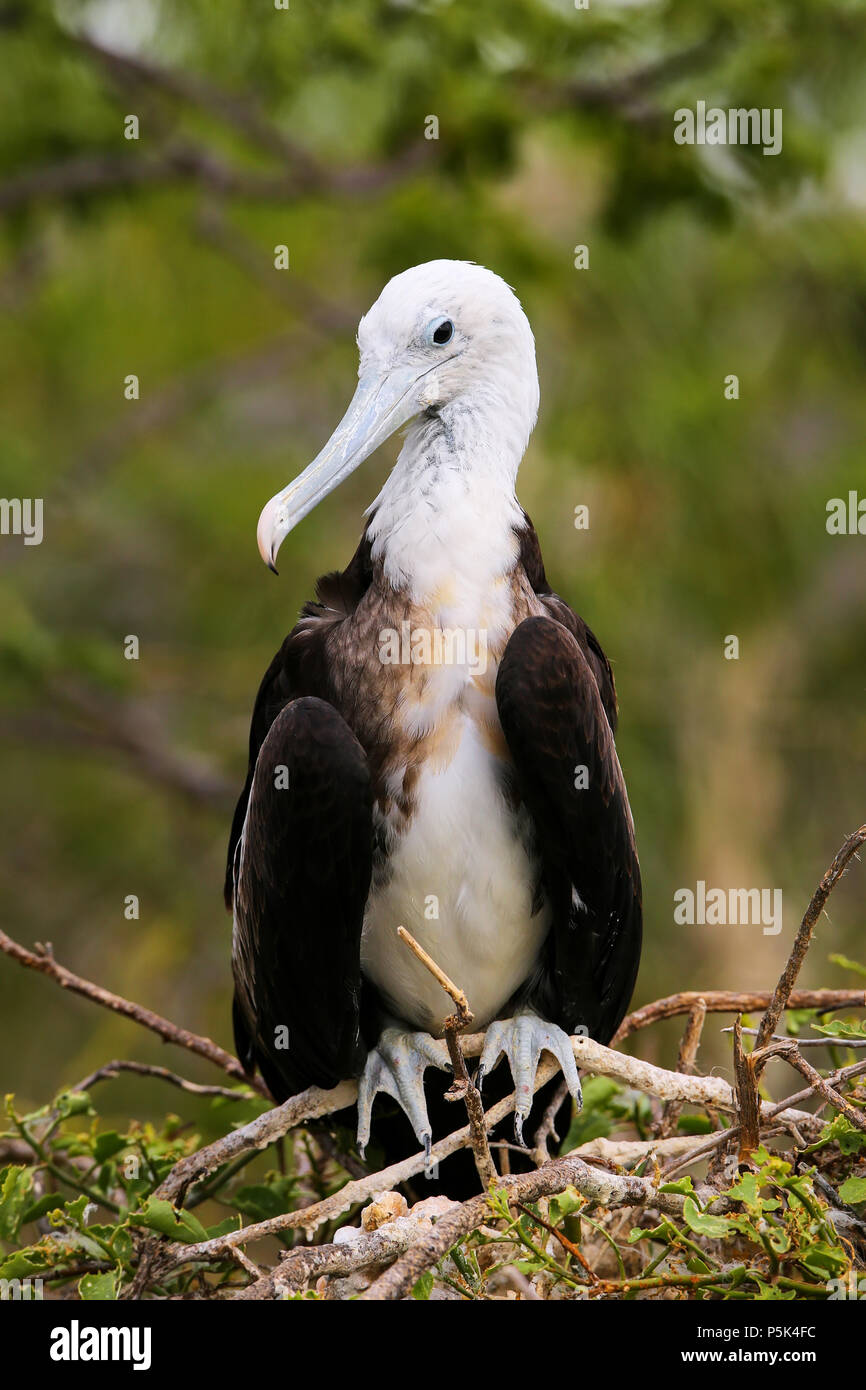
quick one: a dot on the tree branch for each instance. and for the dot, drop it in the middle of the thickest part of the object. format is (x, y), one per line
(782, 992)
(730, 1001)
(42, 960)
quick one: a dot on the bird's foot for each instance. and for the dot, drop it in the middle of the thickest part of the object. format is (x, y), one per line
(523, 1038)
(396, 1066)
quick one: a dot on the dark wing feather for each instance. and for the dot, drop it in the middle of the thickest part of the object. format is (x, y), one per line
(557, 705)
(533, 564)
(299, 900)
(301, 884)
(299, 668)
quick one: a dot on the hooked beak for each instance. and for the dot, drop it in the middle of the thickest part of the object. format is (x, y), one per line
(380, 406)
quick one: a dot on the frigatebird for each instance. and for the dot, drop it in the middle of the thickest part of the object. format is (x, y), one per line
(432, 745)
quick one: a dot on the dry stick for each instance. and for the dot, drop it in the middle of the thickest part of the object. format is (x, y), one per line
(313, 1103)
(607, 1189)
(729, 1001)
(42, 960)
(691, 1041)
(642, 1074)
(463, 1088)
(769, 1113)
(112, 1069)
(805, 1042)
(362, 1190)
(258, 1134)
(547, 1129)
(789, 975)
(566, 1244)
(791, 1053)
(748, 1103)
(372, 1248)
(591, 1056)
(747, 1068)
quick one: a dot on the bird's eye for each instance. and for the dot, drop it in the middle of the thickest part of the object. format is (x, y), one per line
(443, 332)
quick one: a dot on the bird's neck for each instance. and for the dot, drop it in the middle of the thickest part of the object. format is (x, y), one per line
(444, 525)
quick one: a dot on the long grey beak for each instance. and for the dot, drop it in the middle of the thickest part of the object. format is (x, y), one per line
(380, 406)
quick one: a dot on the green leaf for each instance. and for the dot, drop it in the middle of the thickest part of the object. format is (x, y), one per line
(178, 1224)
(74, 1211)
(15, 1187)
(840, 1131)
(565, 1204)
(73, 1103)
(50, 1202)
(263, 1200)
(747, 1189)
(842, 1028)
(823, 1259)
(694, 1124)
(714, 1227)
(853, 1191)
(683, 1186)
(847, 964)
(666, 1230)
(424, 1287)
(102, 1287)
(108, 1144)
(24, 1262)
(121, 1244)
(231, 1223)
(773, 1293)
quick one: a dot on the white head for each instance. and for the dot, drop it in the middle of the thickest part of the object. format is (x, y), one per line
(448, 347)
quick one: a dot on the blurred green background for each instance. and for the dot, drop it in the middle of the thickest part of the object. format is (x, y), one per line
(260, 127)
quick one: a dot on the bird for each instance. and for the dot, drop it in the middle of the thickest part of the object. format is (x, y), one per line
(431, 747)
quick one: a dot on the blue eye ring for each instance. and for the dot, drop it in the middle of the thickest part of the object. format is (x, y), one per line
(443, 332)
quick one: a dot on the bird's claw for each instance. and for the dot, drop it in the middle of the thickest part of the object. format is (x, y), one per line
(523, 1038)
(396, 1066)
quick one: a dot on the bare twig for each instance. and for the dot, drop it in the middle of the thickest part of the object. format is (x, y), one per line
(748, 1103)
(42, 960)
(805, 1042)
(184, 163)
(463, 1087)
(689, 1044)
(547, 1129)
(258, 1134)
(110, 1070)
(791, 1053)
(728, 1001)
(788, 978)
(783, 1109)
(605, 1188)
(563, 1240)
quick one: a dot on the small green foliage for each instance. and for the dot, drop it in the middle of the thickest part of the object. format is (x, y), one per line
(101, 1205)
(853, 1191)
(848, 964)
(843, 1029)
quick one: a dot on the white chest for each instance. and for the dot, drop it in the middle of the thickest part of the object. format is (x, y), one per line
(460, 879)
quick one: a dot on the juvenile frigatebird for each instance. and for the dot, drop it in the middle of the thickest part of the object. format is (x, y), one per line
(432, 745)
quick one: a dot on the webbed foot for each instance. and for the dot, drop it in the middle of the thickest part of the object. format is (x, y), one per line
(396, 1066)
(523, 1038)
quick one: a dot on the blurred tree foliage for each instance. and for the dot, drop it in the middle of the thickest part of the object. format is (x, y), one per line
(306, 127)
